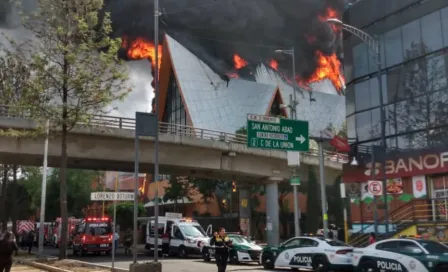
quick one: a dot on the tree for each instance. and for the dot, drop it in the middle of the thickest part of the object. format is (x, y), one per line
(335, 202)
(242, 130)
(421, 101)
(125, 214)
(179, 189)
(75, 73)
(79, 188)
(313, 214)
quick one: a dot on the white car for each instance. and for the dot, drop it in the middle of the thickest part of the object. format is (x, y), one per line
(402, 255)
(309, 253)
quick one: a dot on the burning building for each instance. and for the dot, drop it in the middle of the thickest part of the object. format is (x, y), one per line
(224, 66)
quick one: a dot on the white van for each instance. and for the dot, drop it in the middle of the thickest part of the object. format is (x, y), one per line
(187, 237)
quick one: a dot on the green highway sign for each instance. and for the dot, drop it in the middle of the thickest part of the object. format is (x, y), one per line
(267, 132)
(294, 181)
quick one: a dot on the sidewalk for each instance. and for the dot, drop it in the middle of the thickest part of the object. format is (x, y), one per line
(25, 268)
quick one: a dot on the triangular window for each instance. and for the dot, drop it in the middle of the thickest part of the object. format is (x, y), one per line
(174, 112)
(276, 109)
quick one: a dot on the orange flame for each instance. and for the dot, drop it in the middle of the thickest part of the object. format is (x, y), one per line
(142, 49)
(274, 64)
(330, 13)
(328, 67)
(239, 62)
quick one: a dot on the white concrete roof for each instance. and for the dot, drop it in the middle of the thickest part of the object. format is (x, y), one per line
(211, 102)
(327, 108)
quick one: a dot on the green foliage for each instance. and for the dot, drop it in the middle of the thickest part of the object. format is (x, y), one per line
(242, 130)
(368, 200)
(313, 215)
(125, 214)
(178, 189)
(78, 188)
(208, 187)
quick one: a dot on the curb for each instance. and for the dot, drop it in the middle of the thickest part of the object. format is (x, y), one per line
(55, 269)
(42, 266)
(105, 266)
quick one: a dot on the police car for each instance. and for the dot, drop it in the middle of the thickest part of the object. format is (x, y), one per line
(243, 250)
(310, 253)
(402, 255)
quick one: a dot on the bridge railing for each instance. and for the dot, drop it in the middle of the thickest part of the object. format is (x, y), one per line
(175, 129)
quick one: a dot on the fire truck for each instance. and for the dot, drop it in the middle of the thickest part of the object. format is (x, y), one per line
(93, 235)
(72, 222)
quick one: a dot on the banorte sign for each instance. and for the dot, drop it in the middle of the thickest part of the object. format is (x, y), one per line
(401, 165)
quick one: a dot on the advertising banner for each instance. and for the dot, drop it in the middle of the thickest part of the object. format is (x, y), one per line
(419, 186)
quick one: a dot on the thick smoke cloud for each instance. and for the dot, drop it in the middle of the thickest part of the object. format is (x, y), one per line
(208, 28)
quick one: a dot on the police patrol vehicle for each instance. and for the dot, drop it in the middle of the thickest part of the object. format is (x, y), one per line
(310, 253)
(402, 255)
(243, 250)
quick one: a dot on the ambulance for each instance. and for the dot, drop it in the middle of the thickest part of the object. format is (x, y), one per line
(187, 237)
(93, 235)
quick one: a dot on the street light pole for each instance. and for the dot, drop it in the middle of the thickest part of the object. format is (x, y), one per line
(44, 192)
(293, 113)
(156, 142)
(374, 45)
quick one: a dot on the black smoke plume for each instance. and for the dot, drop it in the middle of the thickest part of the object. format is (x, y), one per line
(214, 30)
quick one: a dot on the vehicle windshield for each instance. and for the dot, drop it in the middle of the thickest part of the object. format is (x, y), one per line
(335, 243)
(192, 230)
(434, 247)
(98, 229)
(238, 239)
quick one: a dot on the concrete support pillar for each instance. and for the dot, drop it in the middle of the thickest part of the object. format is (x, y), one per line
(272, 212)
(245, 210)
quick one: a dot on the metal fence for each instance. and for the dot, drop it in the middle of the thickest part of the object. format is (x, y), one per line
(169, 128)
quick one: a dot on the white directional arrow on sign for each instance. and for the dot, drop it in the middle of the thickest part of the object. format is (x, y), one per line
(301, 139)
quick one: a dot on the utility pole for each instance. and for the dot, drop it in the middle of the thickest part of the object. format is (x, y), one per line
(44, 192)
(156, 141)
(114, 226)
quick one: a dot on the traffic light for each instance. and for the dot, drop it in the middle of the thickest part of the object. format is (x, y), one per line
(233, 186)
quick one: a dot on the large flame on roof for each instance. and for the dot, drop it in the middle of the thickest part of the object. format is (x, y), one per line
(140, 48)
(328, 66)
(239, 62)
(274, 64)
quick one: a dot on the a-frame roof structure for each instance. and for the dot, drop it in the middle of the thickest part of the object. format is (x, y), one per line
(211, 102)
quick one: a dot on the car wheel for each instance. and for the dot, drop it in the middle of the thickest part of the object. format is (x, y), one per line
(205, 255)
(268, 262)
(442, 268)
(369, 266)
(320, 264)
(233, 257)
(182, 253)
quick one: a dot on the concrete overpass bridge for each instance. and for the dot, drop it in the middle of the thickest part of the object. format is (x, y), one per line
(107, 143)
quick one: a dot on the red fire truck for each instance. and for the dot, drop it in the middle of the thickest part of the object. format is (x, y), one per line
(93, 235)
(72, 222)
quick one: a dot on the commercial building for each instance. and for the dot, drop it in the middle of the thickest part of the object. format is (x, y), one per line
(413, 38)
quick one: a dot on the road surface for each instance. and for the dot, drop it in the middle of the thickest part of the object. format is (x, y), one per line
(168, 264)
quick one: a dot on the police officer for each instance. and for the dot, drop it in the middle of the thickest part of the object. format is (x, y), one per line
(222, 244)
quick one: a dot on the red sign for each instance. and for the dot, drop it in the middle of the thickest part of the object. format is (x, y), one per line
(402, 165)
(340, 144)
(375, 187)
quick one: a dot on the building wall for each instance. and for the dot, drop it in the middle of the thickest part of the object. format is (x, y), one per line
(413, 39)
(414, 74)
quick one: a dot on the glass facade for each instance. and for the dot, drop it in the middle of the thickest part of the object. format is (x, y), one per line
(414, 80)
(174, 112)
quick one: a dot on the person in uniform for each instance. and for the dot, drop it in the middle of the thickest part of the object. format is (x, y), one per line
(222, 244)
